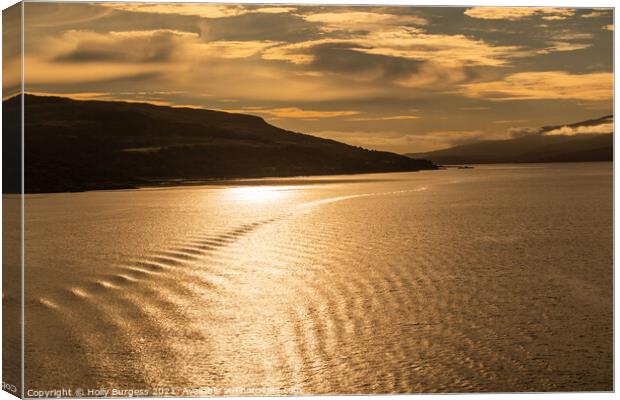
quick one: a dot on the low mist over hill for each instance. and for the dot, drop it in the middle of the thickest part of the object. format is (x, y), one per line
(590, 140)
(83, 145)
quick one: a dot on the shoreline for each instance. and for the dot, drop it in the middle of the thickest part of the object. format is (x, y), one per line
(248, 181)
(283, 180)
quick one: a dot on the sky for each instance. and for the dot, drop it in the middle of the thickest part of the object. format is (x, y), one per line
(402, 79)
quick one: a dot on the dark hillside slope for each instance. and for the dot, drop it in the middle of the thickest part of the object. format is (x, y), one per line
(75, 145)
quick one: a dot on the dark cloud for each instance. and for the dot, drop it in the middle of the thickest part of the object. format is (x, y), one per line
(117, 84)
(342, 58)
(88, 55)
(156, 47)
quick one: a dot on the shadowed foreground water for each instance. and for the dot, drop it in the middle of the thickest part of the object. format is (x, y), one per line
(497, 278)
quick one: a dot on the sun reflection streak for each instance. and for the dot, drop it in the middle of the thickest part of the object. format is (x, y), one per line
(260, 194)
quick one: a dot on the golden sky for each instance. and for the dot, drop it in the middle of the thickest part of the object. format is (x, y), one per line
(404, 79)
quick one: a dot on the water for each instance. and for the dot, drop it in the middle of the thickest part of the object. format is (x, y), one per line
(497, 278)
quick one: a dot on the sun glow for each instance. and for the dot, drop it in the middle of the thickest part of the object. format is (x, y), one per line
(259, 194)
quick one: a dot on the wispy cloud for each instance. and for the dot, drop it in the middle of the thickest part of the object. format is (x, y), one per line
(126, 46)
(509, 121)
(517, 13)
(273, 10)
(361, 21)
(597, 14)
(582, 130)
(480, 108)
(197, 9)
(233, 49)
(128, 97)
(409, 43)
(555, 47)
(386, 118)
(545, 85)
(76, 96)
(294, 112)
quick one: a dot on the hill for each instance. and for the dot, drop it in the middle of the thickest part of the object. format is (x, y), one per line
(589, 140)
(75, 145)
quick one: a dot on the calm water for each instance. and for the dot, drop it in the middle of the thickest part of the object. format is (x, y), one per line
(497, 278)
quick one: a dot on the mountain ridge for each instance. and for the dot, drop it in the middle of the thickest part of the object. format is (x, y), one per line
(584, 143)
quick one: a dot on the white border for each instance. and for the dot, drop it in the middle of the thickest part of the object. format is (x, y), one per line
(540, 3)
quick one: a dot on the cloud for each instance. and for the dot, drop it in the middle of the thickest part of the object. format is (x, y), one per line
(386, 118)
(130, 46)
(77, 56)
(294, 112)
(554, 17)
(149, 47)
(435, 76)
(298, 53)
(53, 15)
(251, 80)
(41, 72)
(457, 136)
(343, 58)
(517, 13)
(481, 108)
(232, 49)
(603, 126)
(197, 9)
(555, 47)
(567, 35)
(409, 43)
(566, 40)
(85, 56)
(545, 85)
(274, 10)
(509, 121)
(596, 14)
(200, 10)
(75, 96)
(607, 127)
(371, 63)
(356, 21)
(103, 96)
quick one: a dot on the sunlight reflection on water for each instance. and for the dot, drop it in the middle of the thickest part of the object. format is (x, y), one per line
(259, 194)
(457, 280)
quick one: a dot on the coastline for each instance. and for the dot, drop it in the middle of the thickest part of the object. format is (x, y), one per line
(249, 181)
(286, 180)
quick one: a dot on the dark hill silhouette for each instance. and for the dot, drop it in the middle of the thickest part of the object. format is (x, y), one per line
(75, 145)
(533, 147)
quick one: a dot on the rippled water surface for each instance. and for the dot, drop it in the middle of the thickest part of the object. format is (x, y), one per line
(497, 278)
